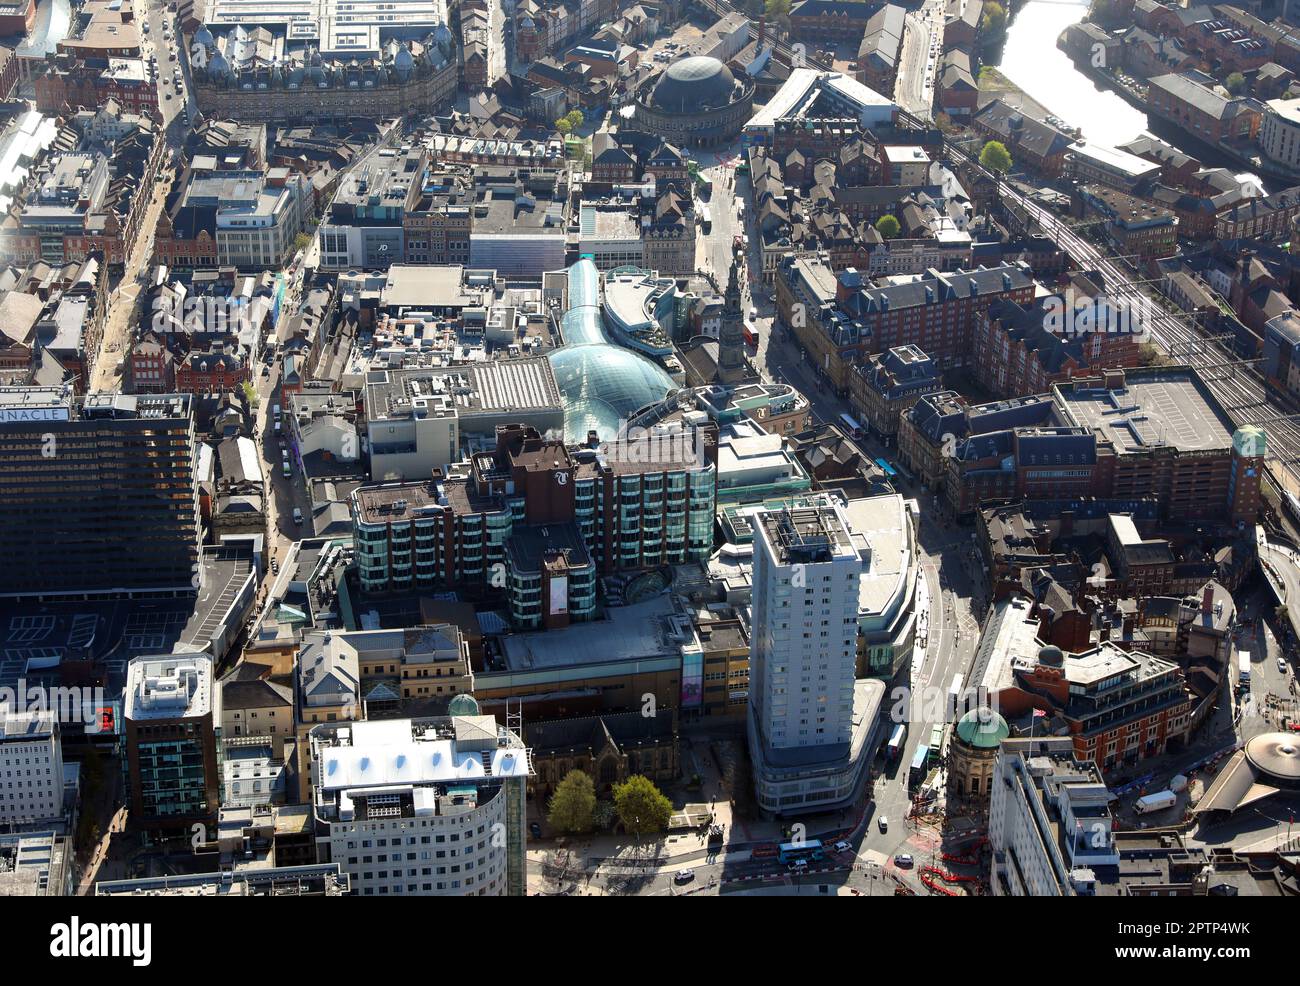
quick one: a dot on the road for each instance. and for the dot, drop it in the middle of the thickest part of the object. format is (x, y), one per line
(922, 53)
(496, 42)
(948, 566)
(122, 316)
(161, 43)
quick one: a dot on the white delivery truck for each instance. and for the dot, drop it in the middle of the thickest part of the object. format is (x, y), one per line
(1156, 802)
(1243, 667)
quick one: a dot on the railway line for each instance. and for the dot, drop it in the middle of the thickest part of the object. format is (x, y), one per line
(1239, 387)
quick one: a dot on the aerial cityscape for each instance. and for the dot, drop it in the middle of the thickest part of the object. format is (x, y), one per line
(649, 448)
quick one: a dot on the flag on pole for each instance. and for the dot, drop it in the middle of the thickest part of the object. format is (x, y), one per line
(1039, 713)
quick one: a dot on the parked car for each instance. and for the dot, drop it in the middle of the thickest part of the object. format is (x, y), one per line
(684, 876)
(883, 823)
(843, 846)
(1281, 664)
(903, 859)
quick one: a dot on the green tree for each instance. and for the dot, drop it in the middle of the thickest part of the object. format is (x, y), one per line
(888, 227)
(1235, 82)
(250, 393)
(994, 19)
(302, 241)
(996, 157)
(641, 806)
(575, 118)
(563, 126)
(573, 805)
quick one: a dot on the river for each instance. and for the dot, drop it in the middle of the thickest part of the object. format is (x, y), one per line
(1032, 61)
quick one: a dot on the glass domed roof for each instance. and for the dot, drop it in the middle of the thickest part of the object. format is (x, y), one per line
(602, 383)
(693, 84)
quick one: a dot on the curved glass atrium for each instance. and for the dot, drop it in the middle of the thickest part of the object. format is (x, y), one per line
(602, 383)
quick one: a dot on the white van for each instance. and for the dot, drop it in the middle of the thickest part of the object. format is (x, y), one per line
(1155, 802)
(297, 516)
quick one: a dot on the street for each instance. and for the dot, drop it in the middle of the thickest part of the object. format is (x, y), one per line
(919, 63)
(122, 314)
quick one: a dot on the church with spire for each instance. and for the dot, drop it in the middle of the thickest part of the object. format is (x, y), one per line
(733, 366)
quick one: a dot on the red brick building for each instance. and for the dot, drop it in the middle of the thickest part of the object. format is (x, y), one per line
(1021, 350)
(211, 372)
(1189, 103)
(77, 86)
(17, 17)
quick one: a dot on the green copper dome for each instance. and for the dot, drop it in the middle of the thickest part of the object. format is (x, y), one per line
(463, 705)
(982, 728)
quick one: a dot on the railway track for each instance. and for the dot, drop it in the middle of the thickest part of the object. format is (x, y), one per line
(1238, 386)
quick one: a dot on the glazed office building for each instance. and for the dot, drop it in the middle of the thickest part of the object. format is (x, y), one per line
(100, 490)
(621, 508)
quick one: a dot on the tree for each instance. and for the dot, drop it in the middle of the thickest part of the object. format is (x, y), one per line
(575, 118)
(250, 394)
(573, 805)
(888, 227)
(1235, 82)
(778, 13)
(995, 157)
(994, 20)
(563, 126)
(641, 806)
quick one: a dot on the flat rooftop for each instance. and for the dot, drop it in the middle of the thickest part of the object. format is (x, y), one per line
(318, 879)
(173, 687)
(408, 752)
(529, 545)
(491, 387)
(424, 287)
(1166, 410)
(642, 632)
(883, 521)
(813, 534)
(609, 224)
(399, 502)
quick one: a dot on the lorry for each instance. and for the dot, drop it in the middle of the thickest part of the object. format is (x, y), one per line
(1155, 802)
(1243, 667)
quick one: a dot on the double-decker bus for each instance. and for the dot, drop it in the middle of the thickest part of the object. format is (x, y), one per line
(919, 763)
(936, 740)
(896, 740)
(954, 697)
(850, 426)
